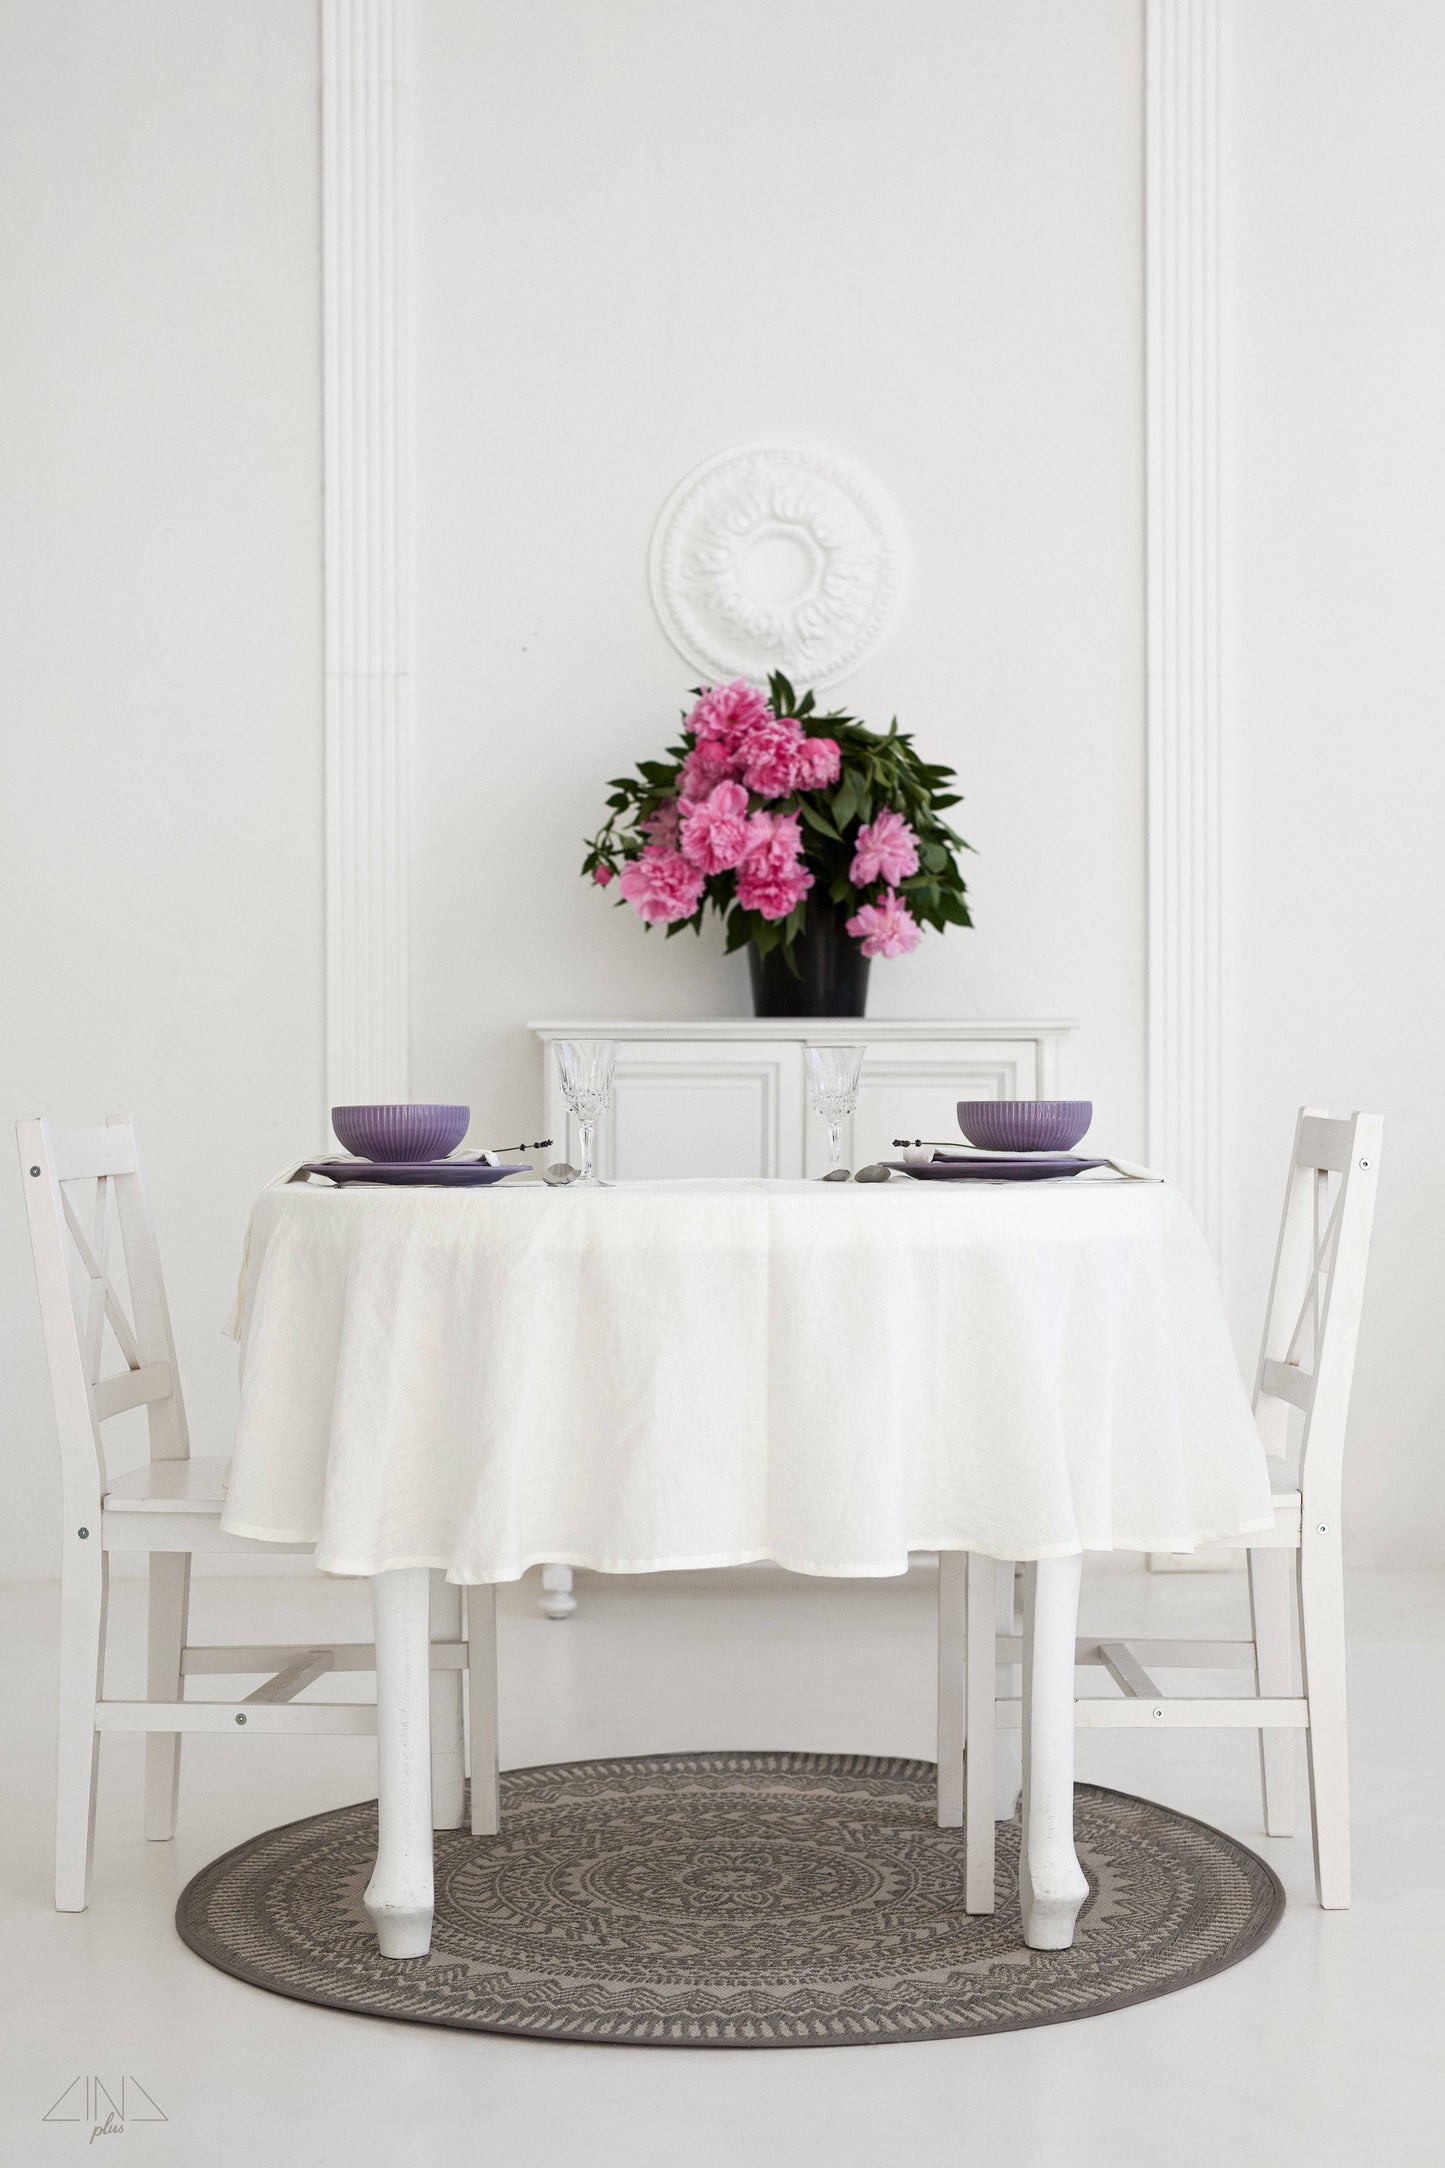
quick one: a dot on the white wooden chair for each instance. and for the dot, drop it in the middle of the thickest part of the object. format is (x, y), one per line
(169, 1508)
(1305, 1371)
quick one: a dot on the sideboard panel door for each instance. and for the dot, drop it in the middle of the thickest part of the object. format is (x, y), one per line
(729, 1097)
(701, 1110)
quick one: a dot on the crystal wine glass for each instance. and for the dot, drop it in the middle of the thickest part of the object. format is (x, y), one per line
(833, 1090)
(584, 1067)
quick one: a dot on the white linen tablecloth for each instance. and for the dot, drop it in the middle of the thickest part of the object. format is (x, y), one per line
(702, 1373)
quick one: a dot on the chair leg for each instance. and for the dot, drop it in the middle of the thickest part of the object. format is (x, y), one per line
(448, 1774)
(1008, 1766)
(1269, 1604)
(169, 1604)
(482, 1708)
(978, 1767)
(952, 1629)
(84, 1586)
(1322, 1652)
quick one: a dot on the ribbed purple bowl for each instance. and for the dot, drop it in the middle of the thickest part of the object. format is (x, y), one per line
(400, 1132)
(1024, 1125)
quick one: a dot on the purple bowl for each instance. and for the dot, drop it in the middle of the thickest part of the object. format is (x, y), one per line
(400, 1132)
(1024, 1125)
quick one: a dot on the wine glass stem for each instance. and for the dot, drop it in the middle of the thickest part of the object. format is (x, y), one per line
(584, 1132)
(835, 1146)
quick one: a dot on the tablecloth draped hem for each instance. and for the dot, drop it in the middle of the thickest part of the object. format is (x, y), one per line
(833, 1570)
(672, 1376)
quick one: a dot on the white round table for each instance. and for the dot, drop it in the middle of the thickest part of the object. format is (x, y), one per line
(672, 1375)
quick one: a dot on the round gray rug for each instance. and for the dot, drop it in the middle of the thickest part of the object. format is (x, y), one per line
(732, 1900)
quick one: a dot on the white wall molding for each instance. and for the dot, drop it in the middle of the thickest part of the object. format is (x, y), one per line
(366, 202)
(1185, 720)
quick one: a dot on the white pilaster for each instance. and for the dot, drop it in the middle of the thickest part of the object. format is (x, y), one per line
(366, 192)
(1185, 751)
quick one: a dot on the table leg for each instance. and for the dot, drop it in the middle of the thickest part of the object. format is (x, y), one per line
(399, 1895)
(556, 1599)
(1052, 1886)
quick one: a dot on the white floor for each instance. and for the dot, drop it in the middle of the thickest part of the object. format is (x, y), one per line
(1323, 2049)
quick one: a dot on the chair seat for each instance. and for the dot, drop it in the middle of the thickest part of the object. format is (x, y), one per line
(169, 1486)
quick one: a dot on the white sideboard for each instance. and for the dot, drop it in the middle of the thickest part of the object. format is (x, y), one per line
(729, 1097)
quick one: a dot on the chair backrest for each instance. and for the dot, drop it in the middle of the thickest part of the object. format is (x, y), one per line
(75, 1180)
(1312, 1324)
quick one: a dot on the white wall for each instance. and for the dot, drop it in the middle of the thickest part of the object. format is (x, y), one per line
(646, 230)
(649, 230)
(1336, 993)
(160, 855)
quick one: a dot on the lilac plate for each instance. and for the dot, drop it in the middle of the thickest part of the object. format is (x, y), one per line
(416, 1173)
(1038, 1167)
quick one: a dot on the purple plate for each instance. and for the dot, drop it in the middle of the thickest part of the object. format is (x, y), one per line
(415, 1173)
(1038, 1167)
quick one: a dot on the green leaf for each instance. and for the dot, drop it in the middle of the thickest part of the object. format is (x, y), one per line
(815, 817)
(845, 800)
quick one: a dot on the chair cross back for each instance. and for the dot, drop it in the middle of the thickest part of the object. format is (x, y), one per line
(1307, 1355)
(55, 1166)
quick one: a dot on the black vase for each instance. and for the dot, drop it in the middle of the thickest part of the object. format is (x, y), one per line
(833, 971)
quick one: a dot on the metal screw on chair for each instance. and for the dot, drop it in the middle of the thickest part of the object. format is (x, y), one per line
(1322, 1528)
(1158, 1712)
(1363, 1163)
(35, 1170)
(82, 1533)
(240, 1719)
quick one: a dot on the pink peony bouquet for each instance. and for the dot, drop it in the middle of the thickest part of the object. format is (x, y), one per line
(766, 804)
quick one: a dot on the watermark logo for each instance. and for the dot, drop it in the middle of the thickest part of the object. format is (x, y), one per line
(108, 2106)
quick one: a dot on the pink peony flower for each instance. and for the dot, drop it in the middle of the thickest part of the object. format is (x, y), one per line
(662, 885)
(709, 762)
(776, 837)
(819, 763)
(769, 756)
(886, 850)
(602, 875)
(715, 833)
(887, 928)
(725, 711)
(772, 877)
(661, 826)
(773, 892)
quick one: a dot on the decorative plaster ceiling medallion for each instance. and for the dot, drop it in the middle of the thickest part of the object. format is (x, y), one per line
(778, 557)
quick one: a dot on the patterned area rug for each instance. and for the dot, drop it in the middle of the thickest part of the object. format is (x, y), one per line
(732, 1900)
